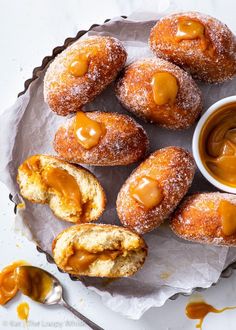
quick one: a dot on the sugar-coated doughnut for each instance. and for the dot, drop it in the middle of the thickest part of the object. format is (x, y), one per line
(199, 43)
(114, 139)
(99, 250)
(81, 72)
(72, 192)
(155, 188)
(208, 218)
(160, 92)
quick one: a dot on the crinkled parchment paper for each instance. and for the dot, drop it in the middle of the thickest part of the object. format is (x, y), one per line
(173, 265)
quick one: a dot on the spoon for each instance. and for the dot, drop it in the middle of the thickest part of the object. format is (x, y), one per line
(46, 289)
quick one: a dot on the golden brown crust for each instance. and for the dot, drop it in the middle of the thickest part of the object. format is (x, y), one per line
(61, 245)
(198, 219)
(215, 64)
(66, 93)
(85, 216)
(173, 168)
(134, 91)
(124, 142)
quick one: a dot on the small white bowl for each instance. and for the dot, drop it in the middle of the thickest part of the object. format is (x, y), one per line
(195, 144)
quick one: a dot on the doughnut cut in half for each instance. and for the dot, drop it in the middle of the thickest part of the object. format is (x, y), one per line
(72, 192)
(99, 250)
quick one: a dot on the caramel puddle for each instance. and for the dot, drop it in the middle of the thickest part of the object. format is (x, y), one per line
(8, 285)
(200, 309)
(23, 311)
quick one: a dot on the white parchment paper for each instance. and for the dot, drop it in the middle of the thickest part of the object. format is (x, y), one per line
(173, 265)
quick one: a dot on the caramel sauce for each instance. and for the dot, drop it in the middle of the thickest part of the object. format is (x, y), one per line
(82, 259)
(227, 212)
(31, 165)
(217, 145)
(165, 275)
(63, 183)
(87, 131)
(56, 179)
(33, 283)
(20, 206)
(199, 310)
(8, 285)
(147, 192)
(23, 311)
(189, 29)
(164, 88)
(79, 66)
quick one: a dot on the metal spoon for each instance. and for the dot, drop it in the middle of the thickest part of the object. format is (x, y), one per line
(46, 289)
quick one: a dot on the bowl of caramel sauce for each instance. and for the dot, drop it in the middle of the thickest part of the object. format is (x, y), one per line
(214, 144)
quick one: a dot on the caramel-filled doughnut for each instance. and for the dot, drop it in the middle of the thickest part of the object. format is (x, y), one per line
(99, 250)
(155, 188)
(160, 92)
(101, 139)
(199, 43)
(81, 72)
(208, 218)
(72, 192)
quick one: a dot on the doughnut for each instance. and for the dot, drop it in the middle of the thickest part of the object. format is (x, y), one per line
(155, 188)
(81, 72)
(159, 92)
(208, 218)
(72, 192)
(101, 139)
(99, 250)
(200, 44)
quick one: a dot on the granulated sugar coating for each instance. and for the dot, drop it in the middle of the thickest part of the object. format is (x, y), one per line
(135, 93)
(173, 168)
(66, 93)
(198, 219)
(215, 64)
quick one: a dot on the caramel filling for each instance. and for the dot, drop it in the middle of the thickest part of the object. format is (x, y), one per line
(8, 285)
(23, 311)
(190, 29)
(63, 183)
(199, 310)
(30, 165)
(33, 283)
(146, 192)
(79, 66)
(55, 179)
(87, 131)
(218, 145)
(81, 259)
(227, 212)
(164, 88)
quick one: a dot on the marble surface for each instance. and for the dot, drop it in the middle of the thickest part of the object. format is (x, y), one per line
(28, 31)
